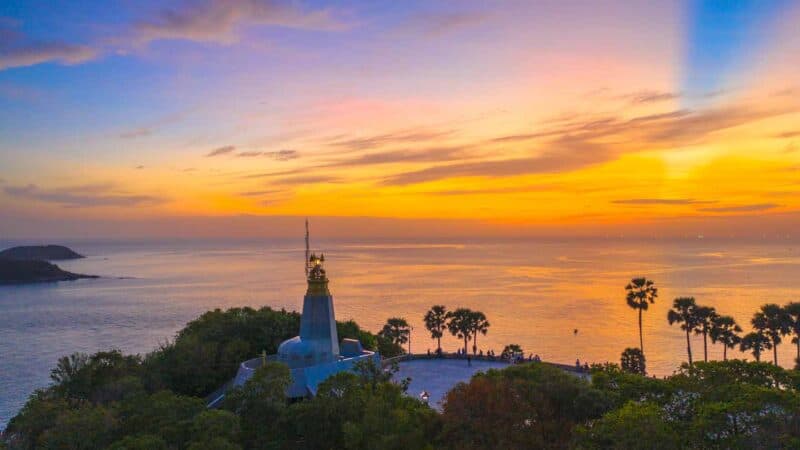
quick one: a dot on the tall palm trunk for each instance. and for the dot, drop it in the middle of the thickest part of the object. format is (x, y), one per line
(475, 344)
(705, 346)
(439, 344)
(724, 352)
(758, 356)
(689, 347)
(775, 352)
(641, 339)
(797, 361)
(466, 342)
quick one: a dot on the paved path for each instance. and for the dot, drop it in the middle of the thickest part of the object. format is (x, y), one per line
(437, 376)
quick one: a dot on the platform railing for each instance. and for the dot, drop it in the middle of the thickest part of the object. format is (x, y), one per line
(417, 356)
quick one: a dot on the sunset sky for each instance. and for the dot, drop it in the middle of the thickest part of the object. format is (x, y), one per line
(239, 117)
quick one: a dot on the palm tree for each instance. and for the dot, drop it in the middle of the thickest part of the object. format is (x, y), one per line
(460, 324)
(793, 311)
(396, 330)
(704, 316)
(479, 325)
(682, 312)
(774, 322)
(436, 323)
(757, 342)
(640, 293)
(510, 350)
(725, 331)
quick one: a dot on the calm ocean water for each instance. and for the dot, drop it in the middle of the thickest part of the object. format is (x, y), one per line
(534, 294)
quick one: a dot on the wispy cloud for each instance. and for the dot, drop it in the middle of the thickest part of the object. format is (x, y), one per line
(137, 133)
(498, 190)
(308, 179)
(219, 20)
(400, 137)
(280, 173)
(226, 150)
(155, 125)
(788, 134)
(692, 128)
(786, 92)
(581, 142)
(283, 155)
(668, 129)
(433, 154)
(572, 142)
(564, 154)
(82, 196)
(260, 193)
(645, 97)
(441, 23)
(18, 50)
(216, 21)
(741, 208)
(280, 155)
(661, 201)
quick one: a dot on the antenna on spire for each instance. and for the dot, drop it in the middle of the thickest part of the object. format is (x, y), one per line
(307, 249)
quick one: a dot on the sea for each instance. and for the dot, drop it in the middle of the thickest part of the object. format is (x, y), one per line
(563, 300)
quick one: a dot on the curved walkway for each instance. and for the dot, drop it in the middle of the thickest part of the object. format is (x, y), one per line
(437, 376)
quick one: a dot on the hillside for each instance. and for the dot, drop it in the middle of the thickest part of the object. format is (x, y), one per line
(14, 271)
(40, 252)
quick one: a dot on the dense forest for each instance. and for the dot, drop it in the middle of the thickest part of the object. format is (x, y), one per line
(116, 401)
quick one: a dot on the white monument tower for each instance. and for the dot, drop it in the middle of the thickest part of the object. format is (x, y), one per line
(316, 354)
(318, 342)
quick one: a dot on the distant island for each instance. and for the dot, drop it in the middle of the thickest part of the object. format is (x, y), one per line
(28, 264)
(40, 253)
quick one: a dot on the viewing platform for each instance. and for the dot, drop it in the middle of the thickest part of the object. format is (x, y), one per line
(437, 374)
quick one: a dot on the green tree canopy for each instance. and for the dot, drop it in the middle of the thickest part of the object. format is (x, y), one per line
(479, 325)
(632, 361)
(460, 324)
(510, 350)
(354, 412)
(725, 331)
(640, 293)
(755, 342)
(83, 428)
(436, 322)
(260, 405)
(635, 426)
(704, 317)
(140, 442)
(793, 316)
(683, 313)
(524, 406)
(397, 330)
(774, 322)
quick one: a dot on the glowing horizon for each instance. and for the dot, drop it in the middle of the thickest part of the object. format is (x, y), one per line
(553, 117)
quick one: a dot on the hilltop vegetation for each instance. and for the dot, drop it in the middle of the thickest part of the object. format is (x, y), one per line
(40, 253)
(14, 271)
(116, 401)
(109, 397)
(28, 264)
